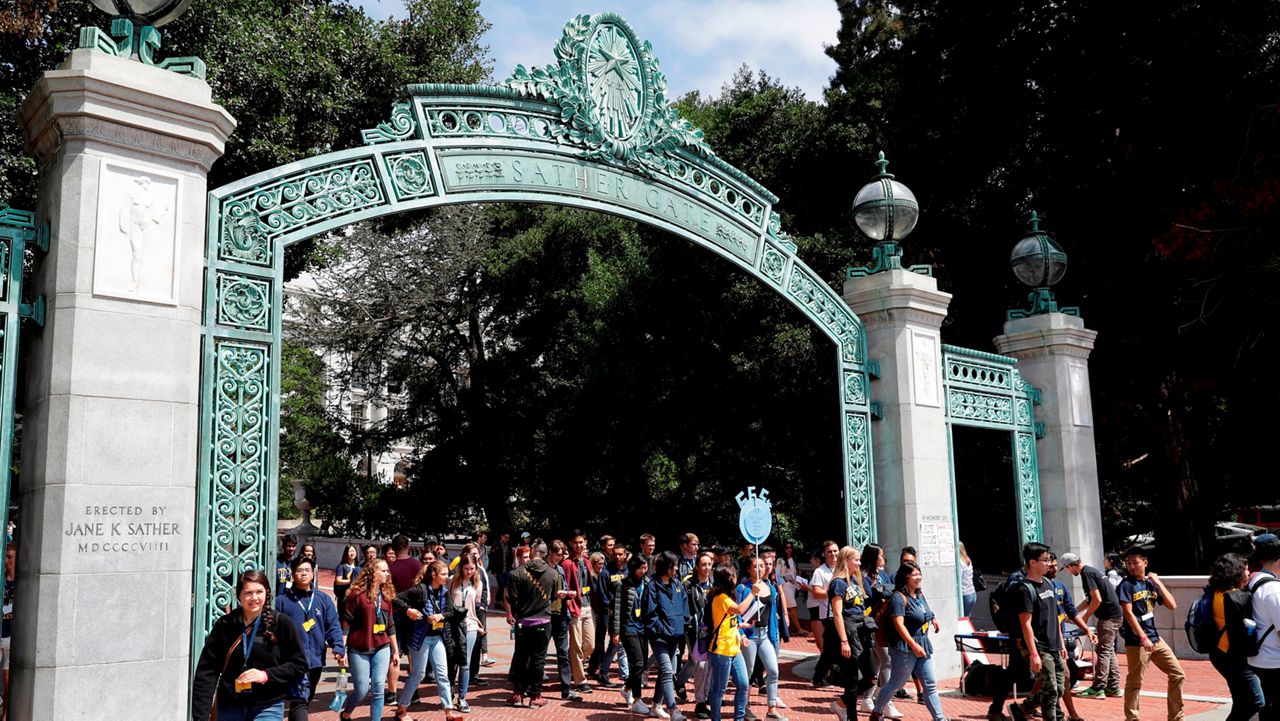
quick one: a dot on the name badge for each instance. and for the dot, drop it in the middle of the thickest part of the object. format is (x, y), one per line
(437, 625)
(1046, 594)
(308, 624)
(1147, 616)
(242, 687)
(379, 628)
(637, 613)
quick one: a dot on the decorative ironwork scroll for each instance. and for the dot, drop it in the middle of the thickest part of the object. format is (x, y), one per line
(17, 228)
(593, 130)
(986, 390)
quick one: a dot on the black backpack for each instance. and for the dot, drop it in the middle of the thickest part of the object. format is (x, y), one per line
(1001, 603)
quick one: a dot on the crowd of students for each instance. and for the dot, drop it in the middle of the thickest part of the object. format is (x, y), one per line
(710, 616)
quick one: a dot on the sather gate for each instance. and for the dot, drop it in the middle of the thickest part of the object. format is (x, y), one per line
(594, 130)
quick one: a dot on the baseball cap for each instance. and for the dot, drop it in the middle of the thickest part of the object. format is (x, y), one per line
(524, 534)
(1068, 559)
(1266, 547)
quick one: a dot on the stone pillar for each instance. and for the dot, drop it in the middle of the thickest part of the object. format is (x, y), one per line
(902, 312)
(102, 624)
(1053, 355)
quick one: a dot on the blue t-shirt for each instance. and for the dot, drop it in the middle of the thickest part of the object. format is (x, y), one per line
(1144, 597)
(916, 615)
(1066, 605)
(852, 598)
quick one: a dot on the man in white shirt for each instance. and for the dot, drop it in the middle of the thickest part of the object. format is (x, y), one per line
(1266, 613)
(817, 603)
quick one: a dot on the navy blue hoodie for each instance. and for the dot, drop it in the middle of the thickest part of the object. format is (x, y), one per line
(666, 609)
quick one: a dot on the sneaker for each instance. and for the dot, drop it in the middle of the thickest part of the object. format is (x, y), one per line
(478, 682)
(676, 715)
(1092, 692)
(571, 696)
(585, 687)
(702, 710)
(842, 712)
(891, 711)
(389, 699)
(997, 716)
(640, 708)
(1015, 712)
(414, 699)
(822, 683)
(516, 700)
(657, 711)
(463, 706)
(537, 701)
(779, 717)
(868, 703)
(487, 661)
(605, 681)
(901, 693)
(1114, 693)
(626, 696)
(682, 696)
(778, 703)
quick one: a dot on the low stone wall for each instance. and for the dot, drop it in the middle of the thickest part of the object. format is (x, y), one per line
(1172, 624)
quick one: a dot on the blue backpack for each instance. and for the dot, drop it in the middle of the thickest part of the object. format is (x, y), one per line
(1202, 631)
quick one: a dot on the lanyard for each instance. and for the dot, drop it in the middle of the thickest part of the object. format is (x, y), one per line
(377, 611)
(311, 598)
(248, 639)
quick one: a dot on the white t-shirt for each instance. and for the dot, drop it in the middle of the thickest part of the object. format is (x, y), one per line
(821, 578)
(1266, 613)
(966, 579)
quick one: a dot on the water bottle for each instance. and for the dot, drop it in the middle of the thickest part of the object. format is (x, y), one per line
(511, 632)
(340, 693)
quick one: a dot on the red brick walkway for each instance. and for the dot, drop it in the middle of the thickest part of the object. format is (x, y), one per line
(804, 703)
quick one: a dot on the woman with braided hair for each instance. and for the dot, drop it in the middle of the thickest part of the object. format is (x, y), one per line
(251, 659)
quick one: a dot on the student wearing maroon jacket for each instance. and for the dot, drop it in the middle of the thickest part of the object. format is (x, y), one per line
(582, 628)
(371, 638)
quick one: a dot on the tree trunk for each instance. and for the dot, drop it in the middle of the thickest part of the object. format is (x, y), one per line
(1179, 502)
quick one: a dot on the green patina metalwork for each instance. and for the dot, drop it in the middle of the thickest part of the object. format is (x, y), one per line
(594, 130)
(1041, 301)
(985, 390)
(140, 42)
(17, 228)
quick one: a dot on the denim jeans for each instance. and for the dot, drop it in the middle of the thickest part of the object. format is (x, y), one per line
(763, 648)
(722, 667)
(969, 600)
(614, 651)
(464, 672)
(1246, 689)
(268, 712)
(664, 650)
(431, 651)
(368, 678)
(560, 637)
(903, 664)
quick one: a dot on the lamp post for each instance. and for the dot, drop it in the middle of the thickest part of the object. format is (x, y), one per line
(885, 211)
(368, 455)
(1039, 262)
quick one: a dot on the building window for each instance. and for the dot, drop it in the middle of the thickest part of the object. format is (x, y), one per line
(358, 415)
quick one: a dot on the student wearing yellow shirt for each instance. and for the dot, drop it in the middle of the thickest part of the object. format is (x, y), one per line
(725, 650)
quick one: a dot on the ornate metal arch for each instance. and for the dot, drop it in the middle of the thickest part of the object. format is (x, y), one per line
(594, 130)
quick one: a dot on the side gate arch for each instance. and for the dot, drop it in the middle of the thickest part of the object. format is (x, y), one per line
(594, 130)
(985, 390)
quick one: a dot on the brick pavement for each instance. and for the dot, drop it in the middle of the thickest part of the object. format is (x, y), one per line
(803, 701)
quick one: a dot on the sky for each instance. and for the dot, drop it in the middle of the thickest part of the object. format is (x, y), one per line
(699, 44)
